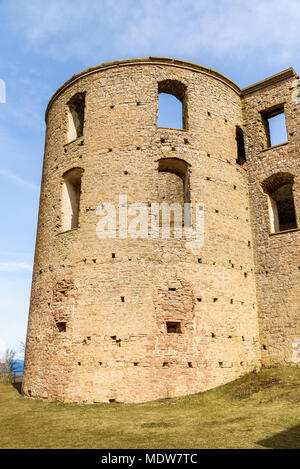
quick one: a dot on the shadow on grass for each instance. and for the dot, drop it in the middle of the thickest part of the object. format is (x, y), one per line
(18, 387)
(288, 439)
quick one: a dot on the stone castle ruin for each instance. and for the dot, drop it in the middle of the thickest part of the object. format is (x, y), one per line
(132, 319)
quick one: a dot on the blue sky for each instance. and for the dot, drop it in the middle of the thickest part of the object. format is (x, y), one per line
(45, 43)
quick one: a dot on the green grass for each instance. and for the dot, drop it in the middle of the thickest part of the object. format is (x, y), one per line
(257, 411)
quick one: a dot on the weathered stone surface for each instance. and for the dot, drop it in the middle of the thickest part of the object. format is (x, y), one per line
(115, 296)
(277, 256)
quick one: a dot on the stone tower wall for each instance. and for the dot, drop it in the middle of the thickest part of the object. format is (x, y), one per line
(116, 295)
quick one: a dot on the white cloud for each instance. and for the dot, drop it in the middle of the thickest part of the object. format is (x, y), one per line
(17, 179)
(64, 29)
(15, 267)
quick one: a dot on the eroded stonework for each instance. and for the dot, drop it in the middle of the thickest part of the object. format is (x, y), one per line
(132, 320)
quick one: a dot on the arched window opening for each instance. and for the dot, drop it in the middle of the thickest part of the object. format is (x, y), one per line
(76, 116)
(174, 187)
(279, 189)
(71, 190)
(172, 105)
(241, 154)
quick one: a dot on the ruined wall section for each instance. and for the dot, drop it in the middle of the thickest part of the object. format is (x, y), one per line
(277, 255)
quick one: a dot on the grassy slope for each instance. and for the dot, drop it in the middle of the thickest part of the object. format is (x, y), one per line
(257, 411)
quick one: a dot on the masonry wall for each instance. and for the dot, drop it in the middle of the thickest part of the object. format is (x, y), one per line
(277, 255)
(116, 295)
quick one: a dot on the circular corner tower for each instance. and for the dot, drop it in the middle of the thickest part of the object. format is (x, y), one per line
(123, 315)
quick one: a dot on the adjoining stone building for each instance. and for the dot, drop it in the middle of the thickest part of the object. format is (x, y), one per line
(134, 319)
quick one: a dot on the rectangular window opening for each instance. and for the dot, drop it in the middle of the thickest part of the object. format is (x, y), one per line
(241, 154)
(173, 327)
(275, 126)
(61, 326)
